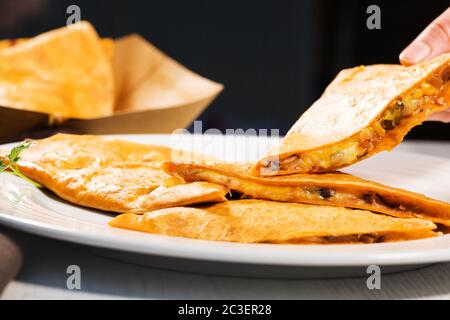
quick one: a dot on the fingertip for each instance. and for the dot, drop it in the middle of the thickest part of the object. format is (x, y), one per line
(443, 116)
(415, 53)
(404, 60)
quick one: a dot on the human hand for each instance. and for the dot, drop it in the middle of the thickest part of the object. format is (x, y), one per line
(433, 41)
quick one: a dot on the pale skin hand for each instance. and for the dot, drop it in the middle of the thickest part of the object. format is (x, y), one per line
(433, 41)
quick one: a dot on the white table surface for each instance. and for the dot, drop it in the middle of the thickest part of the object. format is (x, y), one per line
(43, 275)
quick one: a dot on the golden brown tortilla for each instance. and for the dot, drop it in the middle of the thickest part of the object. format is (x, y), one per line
(334, 189)
(65, 72)
(107, 44)
(259, 221)
(111, 175)
(365, 110)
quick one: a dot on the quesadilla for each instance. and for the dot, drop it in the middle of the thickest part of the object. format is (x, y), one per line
(111, 175)
(259, 221)
(334, 189)
(66, 73)
(365, 110)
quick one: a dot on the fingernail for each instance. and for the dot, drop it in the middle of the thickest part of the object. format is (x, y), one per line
(416, 53)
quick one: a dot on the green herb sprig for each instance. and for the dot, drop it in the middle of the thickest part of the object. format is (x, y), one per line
(10, 166)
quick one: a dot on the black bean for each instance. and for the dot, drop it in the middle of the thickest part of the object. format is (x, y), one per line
(387, 202)
(326, 193)
(367, 198)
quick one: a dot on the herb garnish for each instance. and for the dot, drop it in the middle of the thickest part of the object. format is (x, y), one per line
(10, 166)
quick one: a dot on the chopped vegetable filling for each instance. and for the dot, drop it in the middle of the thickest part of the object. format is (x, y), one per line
(436, 91)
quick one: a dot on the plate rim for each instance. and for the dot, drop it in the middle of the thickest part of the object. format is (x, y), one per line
(233, 252)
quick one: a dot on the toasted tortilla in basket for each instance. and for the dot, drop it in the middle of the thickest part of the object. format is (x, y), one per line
(66, 73)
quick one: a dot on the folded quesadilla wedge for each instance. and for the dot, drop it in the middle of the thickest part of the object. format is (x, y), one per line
(260, 221)
(334, 189)
(365, 110)
(111, 175)
(66, 73)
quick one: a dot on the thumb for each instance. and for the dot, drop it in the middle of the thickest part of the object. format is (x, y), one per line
(433, 41)
(443, 116)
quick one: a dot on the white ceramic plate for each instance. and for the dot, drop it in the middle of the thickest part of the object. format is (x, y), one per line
(32, 210)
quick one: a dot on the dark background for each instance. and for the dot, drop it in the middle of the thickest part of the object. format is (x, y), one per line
(274, 57)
